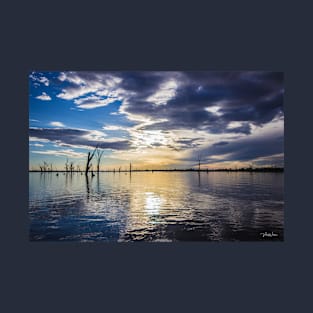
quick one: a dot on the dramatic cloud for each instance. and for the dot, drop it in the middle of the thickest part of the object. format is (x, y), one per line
(166, 92)
(78, 138)
(44, 97)
(193, 100)
(57, 124)
(166, 116)
(83, 83)
(215, 100)
(244, 149)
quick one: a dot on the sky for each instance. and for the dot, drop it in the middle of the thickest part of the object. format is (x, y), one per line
(157, 120)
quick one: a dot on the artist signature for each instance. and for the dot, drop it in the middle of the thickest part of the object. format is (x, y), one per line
(266, 234)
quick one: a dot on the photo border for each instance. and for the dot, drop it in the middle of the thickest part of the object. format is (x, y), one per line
(244, 276)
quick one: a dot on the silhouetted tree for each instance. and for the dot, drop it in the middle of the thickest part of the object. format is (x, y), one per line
(72, 167)
(89, 158)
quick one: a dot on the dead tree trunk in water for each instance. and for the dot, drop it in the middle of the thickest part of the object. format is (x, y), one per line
(89, 158)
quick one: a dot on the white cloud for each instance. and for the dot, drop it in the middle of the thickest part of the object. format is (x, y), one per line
(70, 77)
(95, 135)
(38, 139)
(114, 127)
(66, 152)
(93, 102)
(112, 93)
(101, 84)
(41, 79)
(44, 80)
(166, 92)
(57, 124)
(274, 128)
(235, 124)
(44, 97)
(86, 100)
(62, 77)
(214, 109)
(36, 145)
(73, 93)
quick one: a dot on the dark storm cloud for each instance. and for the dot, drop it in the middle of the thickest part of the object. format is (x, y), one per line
(245, 128)
(185, 143)
(244, 149)
(180, 144)
(249, 97)
(143, 83)
(75, 137)
(259, 112)
(221, 143)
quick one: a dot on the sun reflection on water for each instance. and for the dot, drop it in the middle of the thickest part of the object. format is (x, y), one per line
(153, 203)
(155, 206)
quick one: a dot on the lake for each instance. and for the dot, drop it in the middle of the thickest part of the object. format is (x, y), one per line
(156, 207)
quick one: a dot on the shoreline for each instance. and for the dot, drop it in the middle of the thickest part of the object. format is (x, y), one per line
(258, 170)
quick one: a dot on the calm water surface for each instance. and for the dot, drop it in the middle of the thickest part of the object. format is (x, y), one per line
(159, 206)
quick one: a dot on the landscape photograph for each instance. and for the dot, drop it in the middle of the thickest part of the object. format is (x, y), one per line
(156, 156)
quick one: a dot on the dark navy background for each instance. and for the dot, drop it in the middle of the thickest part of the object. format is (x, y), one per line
(170, 35)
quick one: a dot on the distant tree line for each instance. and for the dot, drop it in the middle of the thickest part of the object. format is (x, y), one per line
(97, 153)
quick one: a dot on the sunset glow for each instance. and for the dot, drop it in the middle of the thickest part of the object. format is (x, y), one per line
(156, 120)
